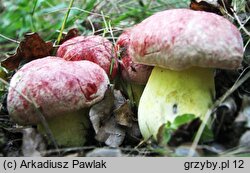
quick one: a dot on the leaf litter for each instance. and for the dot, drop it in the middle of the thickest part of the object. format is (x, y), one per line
(113, 120)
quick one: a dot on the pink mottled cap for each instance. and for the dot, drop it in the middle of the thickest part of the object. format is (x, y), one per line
(57, 86)
(180, 38)
(133, 72)
(93, 48)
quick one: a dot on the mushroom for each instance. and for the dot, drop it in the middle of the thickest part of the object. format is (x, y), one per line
(135, 74)
(185, 47)
(63, 90)
(93, 48)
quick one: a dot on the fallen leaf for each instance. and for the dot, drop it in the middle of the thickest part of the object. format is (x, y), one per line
(111, 133)
(244, 114)
(113, 120)
(225, 116)
(124, 115)
(213, 148)
(32, 47)
(105, 152)
(71, 34)
(106, 128)
(102, 111)
(214, 6)
(119, 99)
(228, 125)
(184, 151)
(13, 142)
(133, 133)
(245, 139)
(33, 143)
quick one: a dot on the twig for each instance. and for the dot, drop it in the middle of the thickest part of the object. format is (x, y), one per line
(92, 26)
(9, 39)
(241, 25)
(78, 9)
(111, 31)
(65, 150)
(105, 24)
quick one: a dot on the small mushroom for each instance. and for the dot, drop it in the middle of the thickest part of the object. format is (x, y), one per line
(185, 47)
(63, 91)
(135, 74)
(92, 48)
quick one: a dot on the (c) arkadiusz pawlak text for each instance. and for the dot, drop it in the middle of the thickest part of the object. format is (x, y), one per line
(62, 164)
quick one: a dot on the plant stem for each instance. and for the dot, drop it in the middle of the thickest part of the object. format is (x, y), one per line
(64, 21)
(237, 84)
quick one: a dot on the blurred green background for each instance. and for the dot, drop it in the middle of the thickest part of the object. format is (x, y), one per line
(46, 16)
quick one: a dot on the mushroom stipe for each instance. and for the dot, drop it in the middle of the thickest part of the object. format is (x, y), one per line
(70, 129)
(171, 93)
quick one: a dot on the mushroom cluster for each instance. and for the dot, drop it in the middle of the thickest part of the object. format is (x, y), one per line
(62, 90)
(173, 54)
(185, 46)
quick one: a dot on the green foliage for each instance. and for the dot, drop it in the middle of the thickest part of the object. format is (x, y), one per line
(43, 16)
(207, 135)
(182, 119)
(46, 16)
(164, 134)
(23, 16)
(166, 131)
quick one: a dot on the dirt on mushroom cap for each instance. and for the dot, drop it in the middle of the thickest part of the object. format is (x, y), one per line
(57, 86)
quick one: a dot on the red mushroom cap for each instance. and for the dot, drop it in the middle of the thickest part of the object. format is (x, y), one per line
(133, 72)
(93, 48)
(180, 38)
(56, 86)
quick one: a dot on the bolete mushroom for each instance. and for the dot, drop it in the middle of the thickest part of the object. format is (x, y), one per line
(135, 74)
(63, 90)
(185, 47)
(92, 48)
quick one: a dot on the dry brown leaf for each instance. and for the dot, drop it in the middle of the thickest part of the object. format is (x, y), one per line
(213, 6)
(113, 119)
(32, 47)
(106, 128)
(71, 34)
(124, 115)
